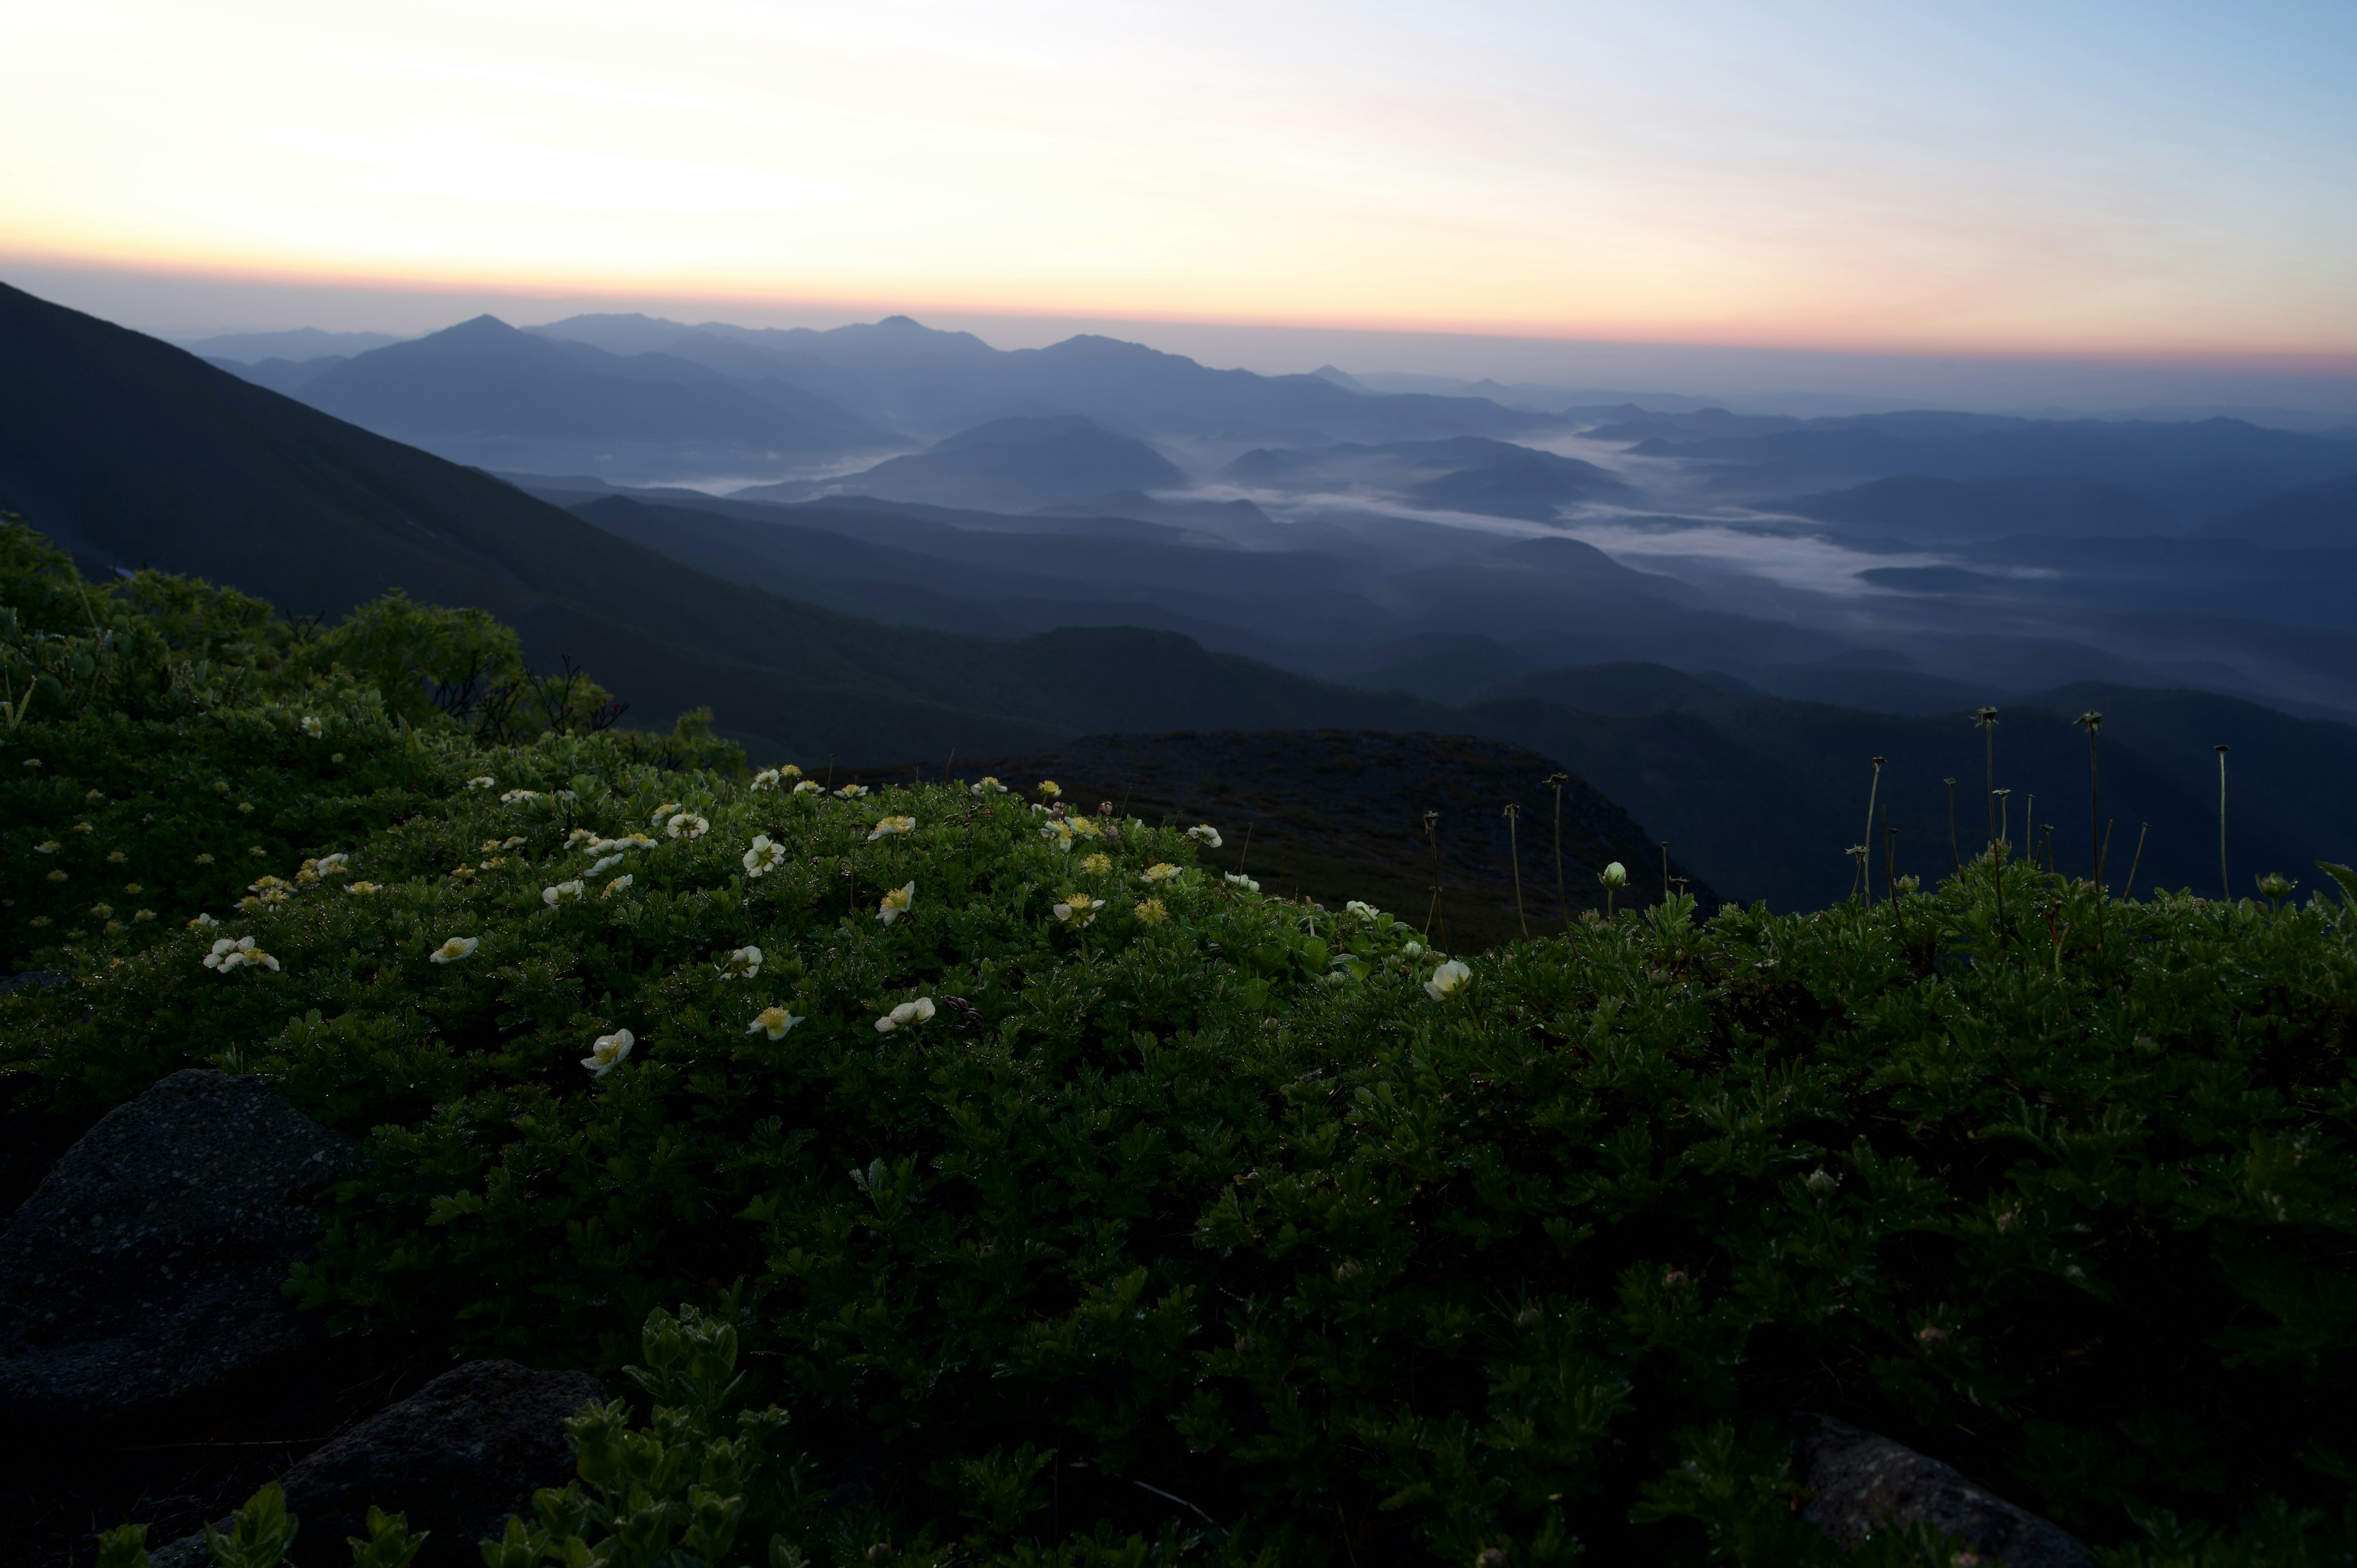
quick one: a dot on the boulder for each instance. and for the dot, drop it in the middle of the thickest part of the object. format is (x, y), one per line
(457, 1458)
(1864, 1482)
(146, 1267)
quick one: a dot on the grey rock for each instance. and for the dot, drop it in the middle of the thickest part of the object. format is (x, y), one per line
(146, 1267)
(456, 1458)
(1864, 1482)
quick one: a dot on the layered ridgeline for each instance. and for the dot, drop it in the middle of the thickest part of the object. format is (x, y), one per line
(1063, 1201)
(133, 454)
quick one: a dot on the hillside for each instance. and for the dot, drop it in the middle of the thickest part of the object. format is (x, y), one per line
(241, 486)
(1008, 465)
(484, 394)
(2312, 516)
(2190, 470)
(985, 1178)
(1765, 795)
(1931, 510)
(933, 382)
(1334, 815)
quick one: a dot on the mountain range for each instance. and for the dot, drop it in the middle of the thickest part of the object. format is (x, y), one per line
(134, 454)
(635, 397)
(874, 630)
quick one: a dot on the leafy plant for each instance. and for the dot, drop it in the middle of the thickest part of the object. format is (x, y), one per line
(1230, 1234)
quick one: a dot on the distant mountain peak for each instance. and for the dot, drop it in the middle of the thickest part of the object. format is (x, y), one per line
(908, 321)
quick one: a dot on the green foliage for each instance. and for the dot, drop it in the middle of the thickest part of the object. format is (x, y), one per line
(259, 1533)
(124, 1546)
(1210, 1233)
(388, 1543)
(680, 1490)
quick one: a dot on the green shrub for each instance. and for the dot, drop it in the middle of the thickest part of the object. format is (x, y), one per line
(1199, 1225)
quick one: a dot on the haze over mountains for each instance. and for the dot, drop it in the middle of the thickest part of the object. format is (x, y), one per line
(933, 546)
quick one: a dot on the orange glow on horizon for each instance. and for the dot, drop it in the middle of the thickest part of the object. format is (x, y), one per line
(1844, 178)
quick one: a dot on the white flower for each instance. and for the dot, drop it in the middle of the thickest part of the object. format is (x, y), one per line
(311, 725)
(906, 1013)
(620, 885)
(810, 786)
(360, 887)
(610, 1052)
(579, 836)
(1237, 879)
(563, 893)
(743, 963)
(1614, 876)
(242, 953)
(1161, 870)
(330, 865)
(987, 784)
(1078, 907)
(765, 856)
(603, 863)
(518, 796)
(47, 846)
(1365, 912)
(886, 826)
(895, 903)
(1059, 833)
(774, 1022)
(1048, 788)
(454, 949)
(662, 813)
(1412, 948)
(766, 779)
(484, 781)
(1447, 981)
(687, 824)
(202, 923)
(851, 792)
(1205, 833)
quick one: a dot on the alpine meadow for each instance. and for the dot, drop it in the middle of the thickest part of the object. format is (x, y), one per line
(955, 1171)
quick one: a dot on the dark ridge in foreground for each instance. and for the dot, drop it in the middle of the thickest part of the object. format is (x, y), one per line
(1334, 814)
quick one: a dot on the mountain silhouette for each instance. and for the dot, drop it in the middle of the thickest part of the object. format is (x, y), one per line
(2312, 516)
(132, 453)
(1010, 465)
(1941, 510)
(484, 394)
(921, 380)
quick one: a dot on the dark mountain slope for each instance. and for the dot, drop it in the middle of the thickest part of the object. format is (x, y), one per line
(1334, 815)
(814, 556)
(2191, 470)
(287, 376)
(2312, 516)
(1765, 796)
(1948, 509)
(134, 453)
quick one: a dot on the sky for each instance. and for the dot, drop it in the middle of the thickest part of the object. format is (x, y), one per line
(2148, 181)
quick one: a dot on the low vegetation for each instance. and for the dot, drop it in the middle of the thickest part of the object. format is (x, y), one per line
(973, 1174)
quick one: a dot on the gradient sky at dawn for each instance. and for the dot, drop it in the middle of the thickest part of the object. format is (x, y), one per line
(1981, 176)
